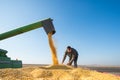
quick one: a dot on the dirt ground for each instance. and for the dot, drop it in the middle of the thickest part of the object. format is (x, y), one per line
(54, 72)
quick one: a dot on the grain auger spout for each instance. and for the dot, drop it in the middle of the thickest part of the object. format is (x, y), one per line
(46, 24)
(6, 62)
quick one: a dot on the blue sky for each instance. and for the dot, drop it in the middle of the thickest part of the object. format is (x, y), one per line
(90, 26)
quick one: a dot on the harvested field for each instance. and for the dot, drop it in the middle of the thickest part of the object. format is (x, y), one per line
(54, 72)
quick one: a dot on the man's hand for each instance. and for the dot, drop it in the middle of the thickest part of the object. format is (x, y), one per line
(69, 63)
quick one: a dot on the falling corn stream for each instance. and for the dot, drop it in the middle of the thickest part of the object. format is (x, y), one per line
(53, 49)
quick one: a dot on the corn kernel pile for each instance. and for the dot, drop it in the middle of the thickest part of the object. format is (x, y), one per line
(54, 72)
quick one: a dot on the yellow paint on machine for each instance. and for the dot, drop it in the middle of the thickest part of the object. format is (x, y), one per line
(53, 49)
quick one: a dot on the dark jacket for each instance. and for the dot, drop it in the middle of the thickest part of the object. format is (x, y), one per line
(72, 55)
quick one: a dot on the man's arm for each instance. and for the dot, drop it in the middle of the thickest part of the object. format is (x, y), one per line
(73, 57)
(74, 53)
(64, 57)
